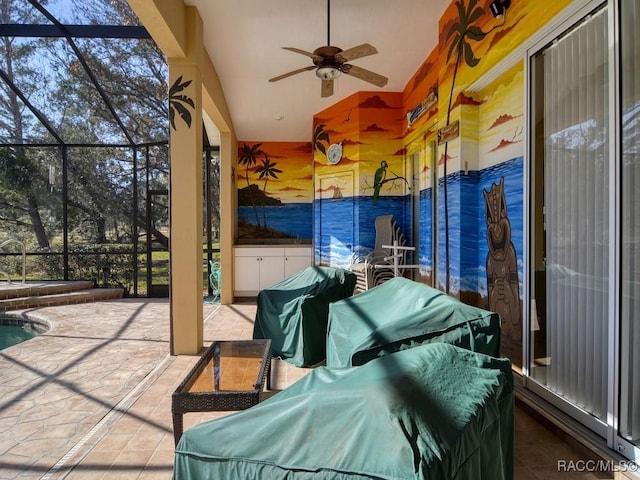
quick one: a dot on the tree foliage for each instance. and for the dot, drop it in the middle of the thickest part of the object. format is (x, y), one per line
(55, 97)
(79, 155)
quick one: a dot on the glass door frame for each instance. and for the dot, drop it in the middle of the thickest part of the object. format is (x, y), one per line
(424, 145)
(585, 418)
(608, 430)
(414, 162)
(154, 290)
(614, 439)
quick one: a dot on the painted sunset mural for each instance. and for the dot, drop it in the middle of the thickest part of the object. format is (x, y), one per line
(367, 126)
(386, 159)
(370, 176)
(501, 164)
(275, 190)
(381, 139)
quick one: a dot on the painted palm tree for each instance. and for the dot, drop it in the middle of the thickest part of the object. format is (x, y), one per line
(178, 102)
(266, 170)
(461, 31)
(248, 157)
(320, 137)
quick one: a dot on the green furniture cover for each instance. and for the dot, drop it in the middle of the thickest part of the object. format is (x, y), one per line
(401, 313)
(294, 313)
(431, 412)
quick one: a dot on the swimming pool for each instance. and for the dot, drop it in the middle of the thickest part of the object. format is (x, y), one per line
(14, 329)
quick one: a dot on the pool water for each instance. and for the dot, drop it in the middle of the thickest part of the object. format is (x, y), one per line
(10, 335)
(14, 330)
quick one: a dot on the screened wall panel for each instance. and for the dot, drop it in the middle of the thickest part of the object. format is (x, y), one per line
(83, 134)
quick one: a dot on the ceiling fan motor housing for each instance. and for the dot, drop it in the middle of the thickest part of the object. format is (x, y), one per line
(326, 56)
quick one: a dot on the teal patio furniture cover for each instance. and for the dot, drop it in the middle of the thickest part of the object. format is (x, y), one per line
(294, 313)
(432, 412)
(400, 314)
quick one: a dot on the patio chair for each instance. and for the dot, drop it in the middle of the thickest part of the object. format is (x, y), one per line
(214, 279)
(374, 267)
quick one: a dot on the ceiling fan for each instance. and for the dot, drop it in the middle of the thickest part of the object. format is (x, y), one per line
(329, 62)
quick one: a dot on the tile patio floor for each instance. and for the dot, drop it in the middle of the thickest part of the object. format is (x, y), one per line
(91, 399)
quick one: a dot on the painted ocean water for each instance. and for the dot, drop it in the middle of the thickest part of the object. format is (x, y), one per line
(473, 262)
(345, 225)
(293, 219)
(340, 227)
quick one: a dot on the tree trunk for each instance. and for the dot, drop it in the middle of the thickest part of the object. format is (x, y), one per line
(253, 202)
(36, 221)
(101, 230)
(264, 215)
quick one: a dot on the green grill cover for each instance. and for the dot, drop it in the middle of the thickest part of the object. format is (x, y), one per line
(401, 313)
(431, 412)
(294, 313)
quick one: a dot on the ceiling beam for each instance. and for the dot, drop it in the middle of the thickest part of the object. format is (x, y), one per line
(166, 22)
(213, 99)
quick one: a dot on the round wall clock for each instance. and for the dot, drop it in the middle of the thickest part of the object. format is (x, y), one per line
(334, 153)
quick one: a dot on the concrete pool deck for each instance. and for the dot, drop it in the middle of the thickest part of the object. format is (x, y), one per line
(55, 388)
(91, 398)
(102, 368)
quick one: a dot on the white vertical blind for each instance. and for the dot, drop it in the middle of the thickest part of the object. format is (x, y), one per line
(630, 204)
(576, 115)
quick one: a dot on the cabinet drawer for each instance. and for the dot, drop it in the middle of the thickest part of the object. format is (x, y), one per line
(259, 252)
(297, 251)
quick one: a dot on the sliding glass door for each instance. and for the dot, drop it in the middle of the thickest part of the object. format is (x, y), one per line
(571, 211)
(584, 340)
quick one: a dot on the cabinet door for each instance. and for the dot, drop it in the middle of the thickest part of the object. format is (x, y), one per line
(247, 274)
(293, 265)
(271, 271)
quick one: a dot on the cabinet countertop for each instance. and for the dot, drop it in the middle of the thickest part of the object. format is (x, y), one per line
(284, 245)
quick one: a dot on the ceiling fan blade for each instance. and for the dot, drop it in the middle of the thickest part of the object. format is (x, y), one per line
(304, 52)
(327, 88)
(293, 72)
(360, 51)
(364, 74)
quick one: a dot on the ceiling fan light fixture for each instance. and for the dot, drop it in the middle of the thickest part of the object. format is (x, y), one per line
(327, 73)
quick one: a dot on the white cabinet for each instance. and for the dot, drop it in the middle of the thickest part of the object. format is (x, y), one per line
(271, 271)
(256, 268)
(296, 260)
(246, 274)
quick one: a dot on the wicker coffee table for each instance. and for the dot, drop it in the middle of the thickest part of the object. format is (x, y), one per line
(229, 376)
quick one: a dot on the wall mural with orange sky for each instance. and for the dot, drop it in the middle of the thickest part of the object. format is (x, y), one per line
(488, 240)
(485, 178)
(275, 192)
(388, 141)
(368, 180)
